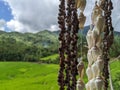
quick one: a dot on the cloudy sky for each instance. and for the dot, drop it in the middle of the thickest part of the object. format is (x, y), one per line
(37, 15)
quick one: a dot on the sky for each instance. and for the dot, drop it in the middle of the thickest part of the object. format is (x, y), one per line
(36, 15)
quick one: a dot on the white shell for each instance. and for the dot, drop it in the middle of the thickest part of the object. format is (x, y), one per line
(80, 68)
(89, 39)
(92, 84)
(80, 85)
(94, 35)
(95, 70)
(100, 23)
(89, 57)
(99, 41)
(89, 73)
(99, 83)
(95, 52)
(96, 11)
(81, 4)
(87, 86)
(82, 20)
(100, 64)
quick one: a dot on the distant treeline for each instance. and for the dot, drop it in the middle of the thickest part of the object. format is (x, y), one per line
(12, 50)
(33, 47)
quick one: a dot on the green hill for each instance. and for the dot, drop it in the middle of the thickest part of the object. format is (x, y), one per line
(16, 46)
(27, 46)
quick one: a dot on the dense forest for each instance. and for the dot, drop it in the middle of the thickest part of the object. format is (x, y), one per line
(16, 46)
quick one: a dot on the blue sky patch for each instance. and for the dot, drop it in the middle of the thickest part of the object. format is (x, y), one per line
(5, 11)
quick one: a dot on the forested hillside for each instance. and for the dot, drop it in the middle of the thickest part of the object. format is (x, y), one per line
(16, 46)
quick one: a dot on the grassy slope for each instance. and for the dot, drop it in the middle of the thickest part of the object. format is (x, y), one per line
(28, 76)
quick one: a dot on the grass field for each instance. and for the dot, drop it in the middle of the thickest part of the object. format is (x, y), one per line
(115, 73)
(34, 76)
(28, 76)
(51, 57)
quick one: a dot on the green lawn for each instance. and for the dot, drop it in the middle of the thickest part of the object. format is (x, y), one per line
(33, 76)
(28, 76)
(115, 73)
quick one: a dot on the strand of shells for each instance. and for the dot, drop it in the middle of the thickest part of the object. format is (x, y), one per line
(80, 4)
(94, 55)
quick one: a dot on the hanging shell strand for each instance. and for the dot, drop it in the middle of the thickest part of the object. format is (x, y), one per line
(95, 58)
(81, 4)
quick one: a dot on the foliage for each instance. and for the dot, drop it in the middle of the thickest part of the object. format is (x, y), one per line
(16, 46)
(51, 59)
(115, 49)
(31, 47)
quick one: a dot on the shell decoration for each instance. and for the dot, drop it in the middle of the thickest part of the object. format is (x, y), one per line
(81, 4)
(94, 55)
(82, 20)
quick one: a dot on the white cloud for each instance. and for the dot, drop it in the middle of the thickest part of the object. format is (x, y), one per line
(53, 28)
(36, 15)
(2, 24)
(33, 15)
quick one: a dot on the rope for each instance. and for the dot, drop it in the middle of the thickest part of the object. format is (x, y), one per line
(111, 85)
(81, 43)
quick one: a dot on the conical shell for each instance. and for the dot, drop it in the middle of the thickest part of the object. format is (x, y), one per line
(95, 70)
(89, 39)
(95, 35)
(89, 73)
(95, 52)
(99, 41)
(92, 84)
(82, 20)
(81, 4)
(80, 68)
(96, 11)
(99, 83)
(100, 64)
(100, 22)
(87, 86)
(80, 85)
(89, 57)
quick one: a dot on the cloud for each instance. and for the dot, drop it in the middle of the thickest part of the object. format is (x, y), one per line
(2, 24)
(33, 15)
(37, 15)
